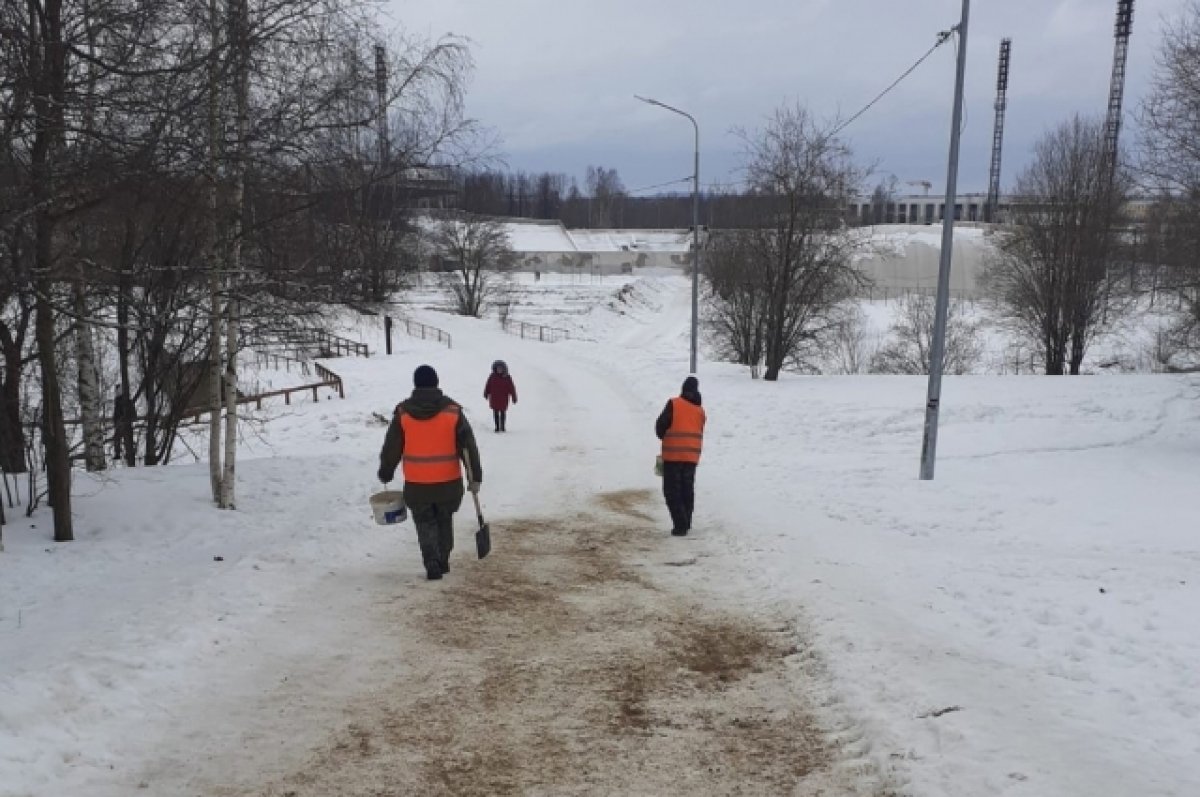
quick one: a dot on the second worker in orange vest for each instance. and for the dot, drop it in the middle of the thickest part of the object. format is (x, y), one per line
(427, 438)
(681, 429)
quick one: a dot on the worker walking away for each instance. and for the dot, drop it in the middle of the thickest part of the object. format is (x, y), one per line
(428, 437)
(680, 427)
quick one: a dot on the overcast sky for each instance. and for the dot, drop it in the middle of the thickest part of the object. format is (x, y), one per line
(556, 78)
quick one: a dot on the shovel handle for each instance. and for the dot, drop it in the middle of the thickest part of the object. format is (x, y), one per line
(478, 510)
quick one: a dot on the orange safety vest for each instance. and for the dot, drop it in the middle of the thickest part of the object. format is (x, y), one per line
(685, 438)
(431, 447)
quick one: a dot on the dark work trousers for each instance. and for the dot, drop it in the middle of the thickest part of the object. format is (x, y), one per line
(679, 488)
(435, 533)
(499, 416)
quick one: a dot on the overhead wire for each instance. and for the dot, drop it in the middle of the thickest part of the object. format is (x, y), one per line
(687, 179)
(942, 38)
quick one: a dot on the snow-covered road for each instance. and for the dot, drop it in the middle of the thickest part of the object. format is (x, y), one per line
(1022, 626)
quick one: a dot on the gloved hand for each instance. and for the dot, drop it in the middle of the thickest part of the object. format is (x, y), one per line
(384, 476)
(473, 487)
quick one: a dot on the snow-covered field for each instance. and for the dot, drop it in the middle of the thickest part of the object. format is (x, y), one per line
(1024, 625)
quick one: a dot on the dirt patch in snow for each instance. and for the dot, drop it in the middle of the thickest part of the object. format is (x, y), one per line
(556, 667)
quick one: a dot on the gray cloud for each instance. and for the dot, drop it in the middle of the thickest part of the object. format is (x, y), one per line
(556, 77)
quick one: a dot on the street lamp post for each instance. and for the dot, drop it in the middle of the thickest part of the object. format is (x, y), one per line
(695, 224)
(937, 346)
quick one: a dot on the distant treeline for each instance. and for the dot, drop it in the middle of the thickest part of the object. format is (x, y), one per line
(601, 202)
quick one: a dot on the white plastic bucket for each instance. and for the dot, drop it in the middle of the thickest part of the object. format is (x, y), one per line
(388, 507)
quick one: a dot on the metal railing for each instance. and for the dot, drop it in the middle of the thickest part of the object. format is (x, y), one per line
(337, 346)
(535, 331)
(273, 359)
(425, 332)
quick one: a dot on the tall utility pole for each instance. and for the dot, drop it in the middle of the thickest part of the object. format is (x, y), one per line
(1116, 88)
(938, 345)
(993, 198)
(381, 84)
(695, 227)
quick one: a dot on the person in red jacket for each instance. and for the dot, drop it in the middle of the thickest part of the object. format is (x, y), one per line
(498, 390)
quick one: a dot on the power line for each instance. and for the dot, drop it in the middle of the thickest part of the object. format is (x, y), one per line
(942, 37)
(687, 179)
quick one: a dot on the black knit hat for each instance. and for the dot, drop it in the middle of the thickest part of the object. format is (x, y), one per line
(691, 385)
(425, 376)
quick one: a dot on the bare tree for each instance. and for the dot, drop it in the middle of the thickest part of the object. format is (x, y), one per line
(147, 146)
(606, 193)
(477, 250)
(883, 202)
(1051, 271)
(852, 347)
(46, 48)
(798, 253)
(1170, 161)
(736, 316)
(909, 349)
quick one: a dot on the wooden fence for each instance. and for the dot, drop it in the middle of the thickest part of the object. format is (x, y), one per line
(328, 379)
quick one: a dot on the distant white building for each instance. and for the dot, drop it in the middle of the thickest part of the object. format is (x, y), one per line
(549, 246)
(900, 258)
(921, 209)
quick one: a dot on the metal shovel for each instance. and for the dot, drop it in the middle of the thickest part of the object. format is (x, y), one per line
(483, 537)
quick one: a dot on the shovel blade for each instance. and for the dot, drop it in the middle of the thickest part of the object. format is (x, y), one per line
(483, 540)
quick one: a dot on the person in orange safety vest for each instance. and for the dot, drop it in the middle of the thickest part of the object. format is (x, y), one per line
(427, 438)
(680, 427)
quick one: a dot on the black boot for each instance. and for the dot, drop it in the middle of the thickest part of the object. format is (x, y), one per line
(433, 569)
(678, 520)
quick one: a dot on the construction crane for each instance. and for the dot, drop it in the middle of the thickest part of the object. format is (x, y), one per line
(381, 98)
(923, 183)
(993, 197)
(1116, 89)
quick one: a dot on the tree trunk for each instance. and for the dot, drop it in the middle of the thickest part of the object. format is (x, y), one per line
(215, 249)
(241, 45)
(1077, 350)
(48, 69)
(54, 431)
(124, 408)
(91, 403)
(12, 434)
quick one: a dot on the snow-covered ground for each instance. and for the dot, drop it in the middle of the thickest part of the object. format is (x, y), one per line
(1023, 625)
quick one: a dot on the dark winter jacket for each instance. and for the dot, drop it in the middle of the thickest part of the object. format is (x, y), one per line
(498, 390)
(667, 416)
(424, 403)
